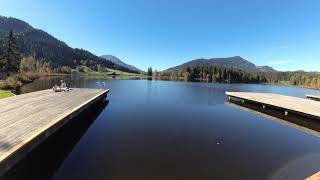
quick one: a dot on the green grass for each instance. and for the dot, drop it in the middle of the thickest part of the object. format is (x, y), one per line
(284, 82)
(122, 73)
(5, 94)
(105, 71)
(87, 70)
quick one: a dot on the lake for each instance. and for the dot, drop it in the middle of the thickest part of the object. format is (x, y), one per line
(172, 130)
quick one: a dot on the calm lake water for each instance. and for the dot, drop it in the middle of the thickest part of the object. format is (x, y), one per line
(172, 130)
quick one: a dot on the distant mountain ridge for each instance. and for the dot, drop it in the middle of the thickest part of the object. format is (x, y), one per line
(117, 61)
(44, 46)
(229, 62)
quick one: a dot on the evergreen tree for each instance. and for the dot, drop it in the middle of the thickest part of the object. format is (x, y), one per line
(150, 71)
(10, 61)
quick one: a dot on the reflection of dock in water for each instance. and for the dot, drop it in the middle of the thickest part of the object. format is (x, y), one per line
(46, 158)
(296, 120)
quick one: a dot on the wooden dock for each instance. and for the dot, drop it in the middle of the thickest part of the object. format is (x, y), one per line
(313, 97)
(316, 176)
(27, 120)
(288, 104)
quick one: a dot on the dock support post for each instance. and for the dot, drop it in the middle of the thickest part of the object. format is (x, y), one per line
(286, 113)
(263, 106)
(242, 101)
(229, 98)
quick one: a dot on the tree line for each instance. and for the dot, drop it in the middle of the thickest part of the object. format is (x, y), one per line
(213, 74)
(297, 78)
(233, 75)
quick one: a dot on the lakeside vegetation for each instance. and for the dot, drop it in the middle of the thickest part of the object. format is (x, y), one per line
(297, 78)
(233, 75)
(5, 94)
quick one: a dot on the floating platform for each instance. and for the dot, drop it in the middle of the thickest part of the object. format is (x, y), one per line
(29, 119)
(288, 104)
(313, 97)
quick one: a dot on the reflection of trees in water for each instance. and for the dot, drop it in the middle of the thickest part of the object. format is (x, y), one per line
(42, 84)
(44, 160)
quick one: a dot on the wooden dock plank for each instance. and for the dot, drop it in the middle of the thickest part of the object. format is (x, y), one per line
(24, 118)
(316, 176)
(297, 105)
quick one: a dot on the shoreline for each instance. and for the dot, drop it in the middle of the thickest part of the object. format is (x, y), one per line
(35, 76)
(299, 86)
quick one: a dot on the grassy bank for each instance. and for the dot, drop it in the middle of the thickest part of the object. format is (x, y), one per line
(5, 94)
(84, 70)
(121, 73)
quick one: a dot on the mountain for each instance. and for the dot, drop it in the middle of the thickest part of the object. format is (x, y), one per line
(117, 61)
(43, 46)
(229, 62)
(265, 69)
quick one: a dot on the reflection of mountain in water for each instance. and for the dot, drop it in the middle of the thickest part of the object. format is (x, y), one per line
(307, 125)
(48, 156)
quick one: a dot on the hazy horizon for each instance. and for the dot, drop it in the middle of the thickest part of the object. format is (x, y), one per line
(165, 34)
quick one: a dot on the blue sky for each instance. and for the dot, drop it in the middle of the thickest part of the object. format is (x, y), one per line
(284, 34)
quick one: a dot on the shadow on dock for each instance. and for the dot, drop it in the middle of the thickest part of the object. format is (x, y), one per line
(47, 157)
(308, 125)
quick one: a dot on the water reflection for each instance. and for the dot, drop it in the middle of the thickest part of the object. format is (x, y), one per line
(49, 155)
(311, 126)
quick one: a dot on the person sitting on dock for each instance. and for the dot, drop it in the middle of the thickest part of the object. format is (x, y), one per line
(63, 84)
(56, 88)
(63, 87)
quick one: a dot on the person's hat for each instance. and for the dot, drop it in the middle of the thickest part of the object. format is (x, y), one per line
(61, 81)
